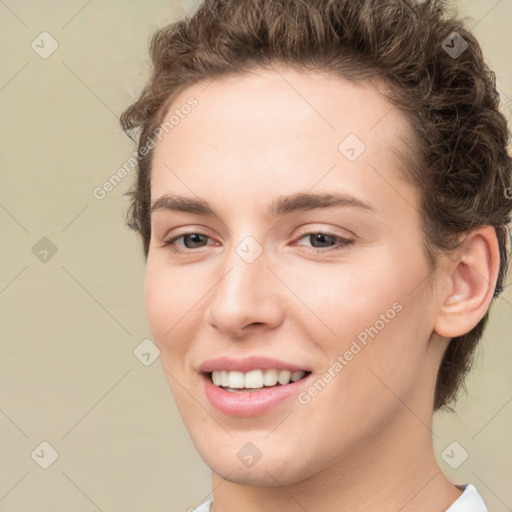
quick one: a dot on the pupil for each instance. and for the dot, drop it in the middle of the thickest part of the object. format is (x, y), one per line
(196, 237)
(318, 237)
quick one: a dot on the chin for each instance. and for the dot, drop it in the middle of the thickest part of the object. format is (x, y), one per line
(250, 477)
(269, 471)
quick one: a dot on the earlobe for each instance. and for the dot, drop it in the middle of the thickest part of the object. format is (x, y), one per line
(472, 279)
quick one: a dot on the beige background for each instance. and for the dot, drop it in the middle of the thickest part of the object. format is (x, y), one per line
(69, 325)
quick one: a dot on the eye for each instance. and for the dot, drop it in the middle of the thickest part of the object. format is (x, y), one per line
(321, 241)
(326, 241)
(192, 240)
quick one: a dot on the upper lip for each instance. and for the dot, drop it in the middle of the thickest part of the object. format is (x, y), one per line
(247, 364)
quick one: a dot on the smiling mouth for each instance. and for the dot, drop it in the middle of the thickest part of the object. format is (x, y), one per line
(254, 380)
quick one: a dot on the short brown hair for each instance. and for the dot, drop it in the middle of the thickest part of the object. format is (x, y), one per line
(436, 75)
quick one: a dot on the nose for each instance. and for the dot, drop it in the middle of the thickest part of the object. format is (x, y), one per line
(246, 297)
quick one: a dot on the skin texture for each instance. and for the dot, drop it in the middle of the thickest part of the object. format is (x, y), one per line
(364, 441)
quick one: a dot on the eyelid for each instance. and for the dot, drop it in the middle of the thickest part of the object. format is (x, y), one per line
(319, 228)
(186, 230)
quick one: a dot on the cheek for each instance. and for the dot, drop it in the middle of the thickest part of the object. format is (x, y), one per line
(157, 302)
(168, 301)
(365, 383)
(349, 299)
(384, 355)
(377, 315)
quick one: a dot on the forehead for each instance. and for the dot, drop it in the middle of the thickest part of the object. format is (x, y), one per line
(275, 121)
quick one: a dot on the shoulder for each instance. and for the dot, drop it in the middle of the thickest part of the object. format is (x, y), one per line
(468, 501)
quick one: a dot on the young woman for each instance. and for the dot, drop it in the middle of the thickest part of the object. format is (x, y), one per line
(322, 199)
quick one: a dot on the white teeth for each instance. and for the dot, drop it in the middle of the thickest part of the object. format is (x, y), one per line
(216, 378)
(270, 378)
(235, 379)
(284, 377)
(254, 379)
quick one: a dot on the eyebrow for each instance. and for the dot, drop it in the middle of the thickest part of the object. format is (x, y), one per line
(282, 205)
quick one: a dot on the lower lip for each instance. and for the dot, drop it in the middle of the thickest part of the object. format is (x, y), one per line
(250, 403)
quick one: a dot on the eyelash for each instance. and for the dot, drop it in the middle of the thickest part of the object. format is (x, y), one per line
(342, 242)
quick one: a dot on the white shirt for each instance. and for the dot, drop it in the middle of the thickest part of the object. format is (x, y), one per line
(468, 501)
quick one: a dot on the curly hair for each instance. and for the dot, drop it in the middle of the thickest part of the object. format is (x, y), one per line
(434, 73)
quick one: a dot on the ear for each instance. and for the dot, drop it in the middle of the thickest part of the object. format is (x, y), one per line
(471, 282)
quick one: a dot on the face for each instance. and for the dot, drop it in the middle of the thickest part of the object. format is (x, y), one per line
(303, 261)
